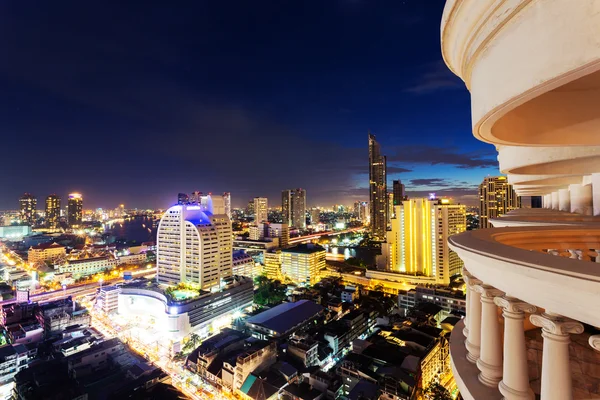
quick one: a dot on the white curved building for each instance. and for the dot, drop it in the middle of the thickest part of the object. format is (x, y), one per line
(533, 70)
(194, 246)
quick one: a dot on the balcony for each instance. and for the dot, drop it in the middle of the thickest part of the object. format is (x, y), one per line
(533, 283)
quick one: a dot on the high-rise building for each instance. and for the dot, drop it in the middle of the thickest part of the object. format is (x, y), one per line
(303, 263)
(195, 197)
(417, 242)
(227, 203)
(265, 230)
(194, 246)
(27, 206)
(315, 216)
(261, 210)
(75, 209)
(183, 198)
(377, 190)
(496, 197)
(390, 207)
(52, 210)
(293, 207)
(398, 190)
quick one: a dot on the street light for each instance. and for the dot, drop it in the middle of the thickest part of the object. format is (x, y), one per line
(101, 280)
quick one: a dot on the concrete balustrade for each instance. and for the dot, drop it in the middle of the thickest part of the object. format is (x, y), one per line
(581, 199)
(503, 363)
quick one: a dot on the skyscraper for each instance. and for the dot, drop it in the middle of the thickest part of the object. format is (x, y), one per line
(183, 198)
(377, 189)
(398, 190)
(496, 197)
(261, 210)
(75, 209)
(194, 246)
(293, 207)
(27, 206)
(227, 203)
(52, 210)
(195, 197)
(417, 242)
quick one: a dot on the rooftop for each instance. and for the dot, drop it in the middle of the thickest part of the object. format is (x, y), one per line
(304, 249)
(285, 316)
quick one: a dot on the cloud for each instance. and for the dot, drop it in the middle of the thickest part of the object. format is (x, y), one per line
(435, 155)
(436, 77)
(397, 170)
(429, 182)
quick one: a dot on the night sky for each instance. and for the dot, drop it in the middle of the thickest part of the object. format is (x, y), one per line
(131, 102)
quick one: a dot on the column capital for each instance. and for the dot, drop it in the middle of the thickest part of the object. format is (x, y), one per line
(595, 342)
(556, 324)
(466, 273)
(472, 282)
(513, 305)
(488, 292)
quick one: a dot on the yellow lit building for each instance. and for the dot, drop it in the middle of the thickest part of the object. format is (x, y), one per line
(46, 252)
(52, 210)
(272, 267)
(303, 263)
(75, 210)
(417, 241)
(496, 197)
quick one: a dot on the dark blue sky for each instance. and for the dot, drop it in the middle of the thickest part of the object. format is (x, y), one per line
(135, 101)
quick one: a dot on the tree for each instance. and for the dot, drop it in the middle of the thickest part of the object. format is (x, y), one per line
(192, 343)
(435, 391)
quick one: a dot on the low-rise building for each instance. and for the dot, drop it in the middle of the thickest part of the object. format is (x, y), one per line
(46, 252)
(256, 358)
(283, 320)
(452, 301)
(302, 263)
(349, 294)
(272, 264)
(108, 298)
(243, 263)
(13, 359)
(304, 349)
(133, 259)
(340, 334)
(88, 266)
(59, 314)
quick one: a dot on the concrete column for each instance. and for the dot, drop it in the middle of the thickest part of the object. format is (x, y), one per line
(596, 193)
(466, 277)
(581, 199)
(490, 356)
(515, 375)
(554, 200)
(595, 342)
(564, 200)
(473, 341)
(547, 203)
(556, 370)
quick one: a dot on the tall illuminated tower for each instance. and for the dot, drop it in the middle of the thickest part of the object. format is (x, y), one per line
(227, 203)
(75, 210)
(417, 242)
(52, 210)
(377, 190)
(194, 245)
(293, 207)
(496, 197)
(261, 210)
(27, 207)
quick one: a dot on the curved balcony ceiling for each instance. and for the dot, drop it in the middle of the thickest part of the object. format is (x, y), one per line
(534, 81)
(572, 160)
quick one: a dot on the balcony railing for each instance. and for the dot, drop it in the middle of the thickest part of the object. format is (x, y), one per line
(510, 270)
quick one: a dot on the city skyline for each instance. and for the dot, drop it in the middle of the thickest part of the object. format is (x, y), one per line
(106, 98)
